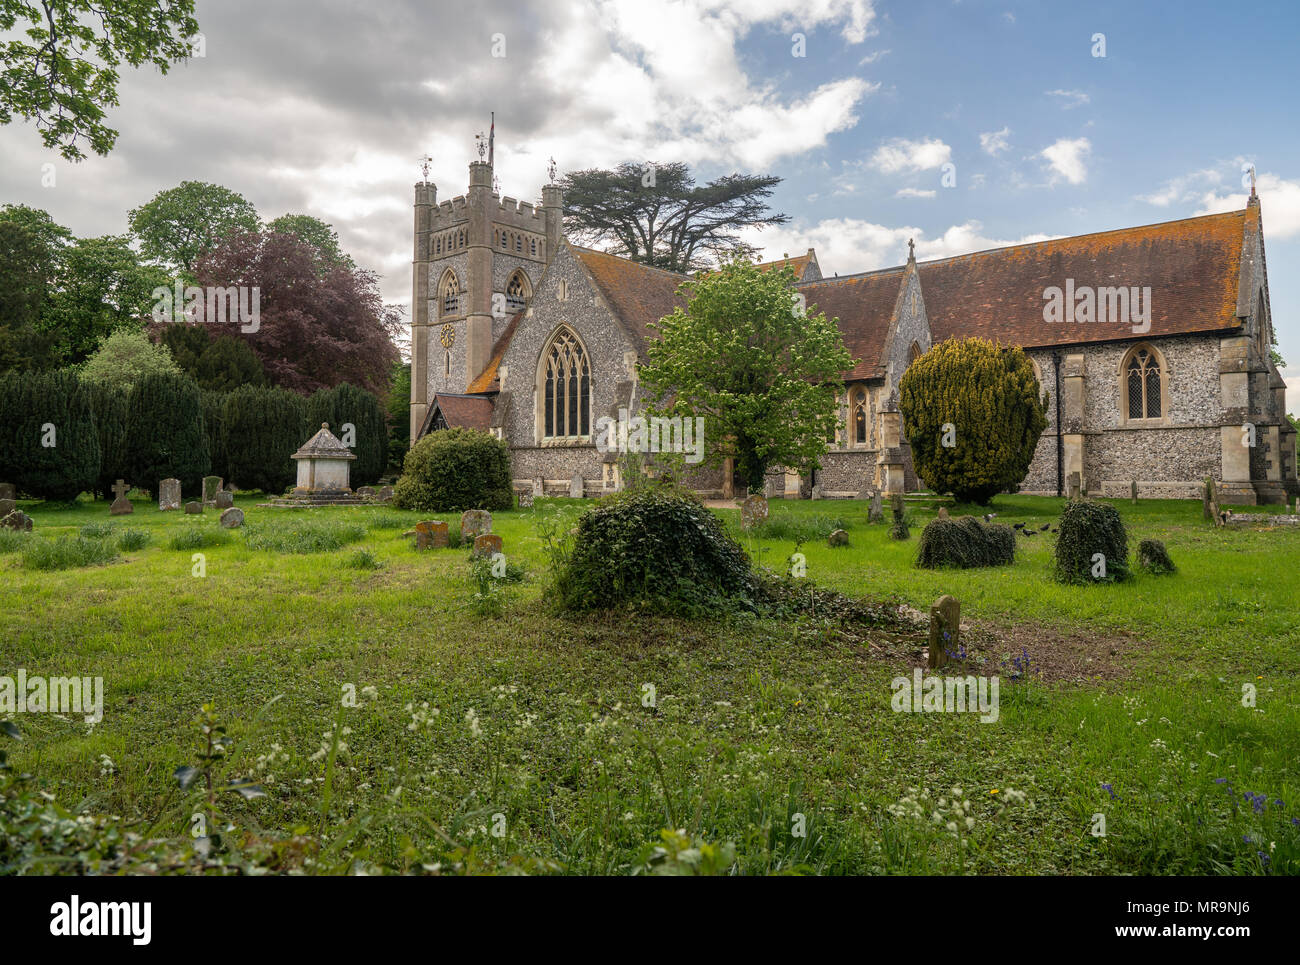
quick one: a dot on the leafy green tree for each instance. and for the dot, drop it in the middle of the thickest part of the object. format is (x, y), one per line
(182, 223)
(227, 364)
(398, 404)
(261, 429)
(110, 405)
(48, 444)
(763, 375)
(59, 61)
(316, 233)
(165, 436)
(345, 405)
(25, 275)
(124, 357)
(186, 341)
(972, 412)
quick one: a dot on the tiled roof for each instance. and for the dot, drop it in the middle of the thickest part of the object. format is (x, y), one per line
(323, 445)
(799, 264)
(487, 381)
(639, 295)
(1192, 267)
(463, 411)
(864, 305)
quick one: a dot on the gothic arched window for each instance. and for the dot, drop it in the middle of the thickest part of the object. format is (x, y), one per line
(859, 414)
(1143, 384)
(516, 292)
(566, 388)
(450, 293)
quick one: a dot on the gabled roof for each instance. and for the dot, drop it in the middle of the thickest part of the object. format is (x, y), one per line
(487, 381)
(638, 294)
(1193, 268)
(805, 266)
(865, 306)
(459, 411)
(323, 445)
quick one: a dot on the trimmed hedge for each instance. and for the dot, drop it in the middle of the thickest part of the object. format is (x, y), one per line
(261, 429)
(1086, 529)
(165, 437)
(1154, 558)
(965, 543)
(658, 549)
(213, 405)
(110, 405)
(48, 407)
(345, 404)
(453, 470)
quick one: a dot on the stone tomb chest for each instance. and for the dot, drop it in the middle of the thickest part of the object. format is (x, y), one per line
(324, 464)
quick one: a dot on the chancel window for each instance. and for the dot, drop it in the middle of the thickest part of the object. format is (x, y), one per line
(566, 389)
(450, 295)
(1142, 385)
(859, 415)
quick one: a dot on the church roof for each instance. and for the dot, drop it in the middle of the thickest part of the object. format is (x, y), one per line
(638, 294)
(487, 380)
(865, 306)
(1194, 268)
(459, 412)
(800, 263)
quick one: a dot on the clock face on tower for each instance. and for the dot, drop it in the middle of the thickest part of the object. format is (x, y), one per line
(448, 337)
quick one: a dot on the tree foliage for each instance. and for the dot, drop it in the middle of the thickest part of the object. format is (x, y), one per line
(315, 330)
(762, 374)
(59, 61)
(972, 413)
(455, 469)
(48, 444)
(124, 357)
(316, 233)
(398, 403)
(26, 270)
(227, 364)
(110, 405)
(346, 405)
(657, 214)
(261, 429)
(180, 224)
(214, 404)
(165, 436)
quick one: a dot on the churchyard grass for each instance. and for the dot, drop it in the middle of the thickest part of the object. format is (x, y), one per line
(758, 727)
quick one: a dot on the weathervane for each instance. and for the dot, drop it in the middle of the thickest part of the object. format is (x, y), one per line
(496, 184)
(550, 169)
(482, 145)
(424, 165)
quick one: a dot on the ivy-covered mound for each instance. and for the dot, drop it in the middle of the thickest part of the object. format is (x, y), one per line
(1154, 558)
(1088, 528)
(965, 543)
(656, 549)
(455, 469)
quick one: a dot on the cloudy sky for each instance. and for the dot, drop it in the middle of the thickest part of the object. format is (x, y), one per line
(964, 125)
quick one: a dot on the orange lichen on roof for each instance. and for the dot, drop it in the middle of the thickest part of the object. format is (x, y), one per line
(799, 264)
(1192, 268)
(864, 305)
(638, 294)
(486, 381)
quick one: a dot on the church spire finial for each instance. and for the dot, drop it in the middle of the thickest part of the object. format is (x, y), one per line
(911, 249)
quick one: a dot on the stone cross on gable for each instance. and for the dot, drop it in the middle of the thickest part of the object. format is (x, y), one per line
(120, 489)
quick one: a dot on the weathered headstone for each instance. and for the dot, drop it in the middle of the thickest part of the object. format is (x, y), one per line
(525, 500)
(943, 512)
(1075, 486)
(1133, 491)
(837, 538)
(899, 530)
(169, 495)
(366, 492)
(539, 486)
(875, 512)
(194, 509)
(817, 492)
(474, 522)
(8, 491)
(8, 505)
(14, 518)
(385, 495)
(224, 500)
(485, 544)
(231, 517)
(576, 487)
(431, 535)
(945, 630)
(753, 511)
(121, 505)
(211, 486)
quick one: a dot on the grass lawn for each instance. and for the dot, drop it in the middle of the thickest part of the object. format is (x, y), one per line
(526, 741)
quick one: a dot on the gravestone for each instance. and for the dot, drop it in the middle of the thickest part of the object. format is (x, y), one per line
(8, 491)
(8, 505)
(576, 487)
(474, 522)
(231, 517)
(486, 544)
(11, 517)
(121, 505)
(945, 630)
(385, 495)
(837, 538)
(224, 500)
(431, 535)
(194, 509)
(525, 500)
(1133, 489)
(366, 492)
(753, 511)
(539, 486)
(899, 530)
(943, 512)
(1075, 485)
(211, 486)
(875, 512)
(817, 491)
(169, 495)
(1207, 499)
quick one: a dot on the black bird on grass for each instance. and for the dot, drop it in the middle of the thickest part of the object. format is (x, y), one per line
(1017, 525)
(1045, 527)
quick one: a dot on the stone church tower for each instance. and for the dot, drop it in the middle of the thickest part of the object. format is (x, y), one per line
(478, 258)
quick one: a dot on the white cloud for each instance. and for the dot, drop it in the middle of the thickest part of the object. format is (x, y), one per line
(1070, 98)
(1183, 188)
(1279, 201)
(1068, 159)
(995, 142)
(900, 154)
(872, 57)
(915, 193)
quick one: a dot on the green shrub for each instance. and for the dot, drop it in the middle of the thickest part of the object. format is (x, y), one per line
(656, 548)
(362, 560)
(110, 404)
(345, 404)
(965, 543)
(1154, 558)
(196, 536)
(261, 429)
(1086, 529)
(301, 535)
(213, 405)
(65, 553)
(48, 444)
(165, 437)
(972, 413)
(134, 539)
(452, 470)
(227, 364)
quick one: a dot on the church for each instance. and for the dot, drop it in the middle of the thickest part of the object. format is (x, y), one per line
(1152, 345)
